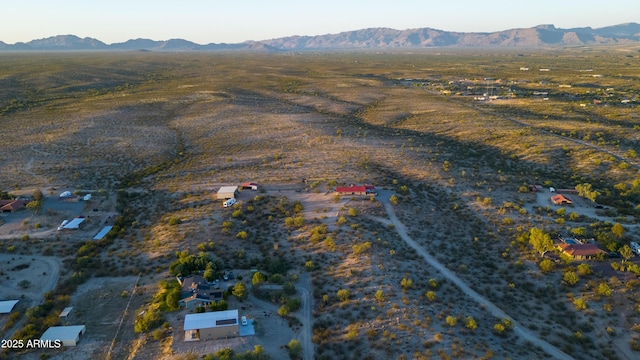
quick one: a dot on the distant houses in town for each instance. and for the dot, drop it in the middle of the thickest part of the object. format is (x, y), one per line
(196, 291)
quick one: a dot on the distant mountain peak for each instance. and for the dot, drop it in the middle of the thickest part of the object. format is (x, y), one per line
(370, 38)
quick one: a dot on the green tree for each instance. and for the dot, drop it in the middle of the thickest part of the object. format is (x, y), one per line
(570, 278)
(295, 349)
(470, 323)
(617, 230)
(586, 191)
(258, 278)
(379, 295)
(546, 265)
(604, 289)
(240, 291)
(580, 304)
(540, 240)
(353, 212)
(393, 200)
(209, 273)
(35, 206)
(584, 269)
(431, 296)
(451, 320)
(626, 252)
(406, 283)
(344, 294)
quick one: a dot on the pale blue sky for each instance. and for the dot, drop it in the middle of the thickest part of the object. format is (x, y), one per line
(234, 21)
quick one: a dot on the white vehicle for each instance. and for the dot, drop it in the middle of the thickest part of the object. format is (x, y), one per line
(635, 248)
(64, 222)
(229, 202)
(243, 320)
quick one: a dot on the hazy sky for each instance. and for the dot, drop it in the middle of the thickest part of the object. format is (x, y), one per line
(231, 21)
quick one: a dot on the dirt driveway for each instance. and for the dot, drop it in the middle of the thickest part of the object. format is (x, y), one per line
(27, 278)
(481, 300)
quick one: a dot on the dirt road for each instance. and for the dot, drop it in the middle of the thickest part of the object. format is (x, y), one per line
(522, 332)
(303, 287)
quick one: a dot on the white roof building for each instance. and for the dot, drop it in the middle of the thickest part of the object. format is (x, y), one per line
(69, 335)
(65, 313)
(7, 306)
(74, 224)
(227, 192)
(105, 230)
(211, 325)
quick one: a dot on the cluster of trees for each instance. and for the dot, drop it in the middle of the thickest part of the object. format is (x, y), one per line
(187, 264)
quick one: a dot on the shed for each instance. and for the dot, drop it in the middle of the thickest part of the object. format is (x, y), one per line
(211, 325)
(250, 185)
(227, 192)
(74, 224)
(105, 230)
(69, 335)
(7, 306)
(65, 313)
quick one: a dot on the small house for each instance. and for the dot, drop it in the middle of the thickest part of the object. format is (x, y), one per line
(561, 200)
(581, 251)
(227, 192)
(196, 291)
(211, 325)
(356, 190)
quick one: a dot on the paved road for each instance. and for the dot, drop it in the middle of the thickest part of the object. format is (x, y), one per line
(522, 332)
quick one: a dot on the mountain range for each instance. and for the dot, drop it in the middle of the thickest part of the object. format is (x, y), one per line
(372, 38)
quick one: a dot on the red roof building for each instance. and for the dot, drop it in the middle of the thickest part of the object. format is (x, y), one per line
(561, 200)
(11, 205)
(356, 190)
(581, 251)
(249, 185)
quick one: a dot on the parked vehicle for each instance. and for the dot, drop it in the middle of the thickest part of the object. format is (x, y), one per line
(635, 248)
(229, 202)
(244, 320)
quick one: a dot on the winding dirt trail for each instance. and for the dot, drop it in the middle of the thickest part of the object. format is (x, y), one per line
(303, 287)
(520, 331)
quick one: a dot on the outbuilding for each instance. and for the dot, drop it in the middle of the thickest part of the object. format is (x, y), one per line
(356, 190)
(249, 186)
(7, 306)
(65, 313)
(69, 335)
(227, 192)
(211, 325)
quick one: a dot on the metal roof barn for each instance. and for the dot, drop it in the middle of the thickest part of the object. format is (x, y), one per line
(69, 335)
(7, 306)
